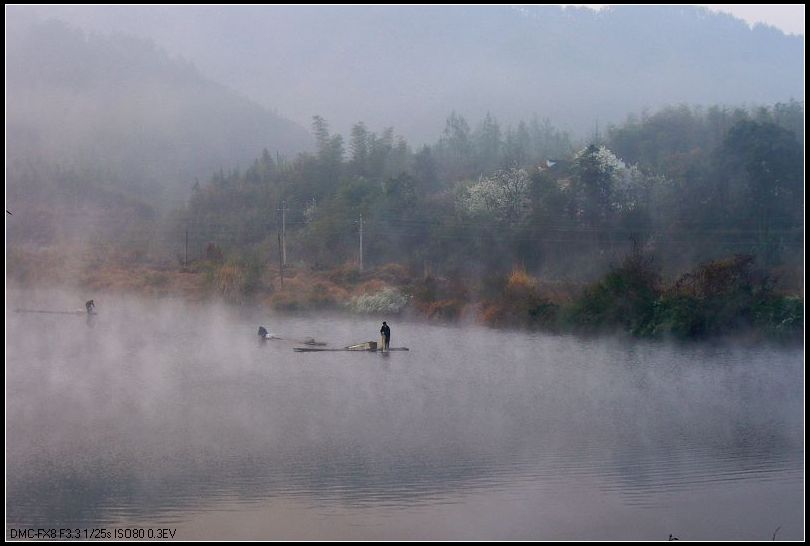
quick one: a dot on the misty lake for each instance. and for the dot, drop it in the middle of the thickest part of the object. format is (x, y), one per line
(162, 414)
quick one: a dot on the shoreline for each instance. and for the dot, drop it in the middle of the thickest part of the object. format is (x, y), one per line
(521, 303)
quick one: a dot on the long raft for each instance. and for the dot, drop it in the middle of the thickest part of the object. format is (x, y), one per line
(368, 346)
(48, 312)
(309, 341)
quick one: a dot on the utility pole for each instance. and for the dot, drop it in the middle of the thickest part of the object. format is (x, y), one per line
(361, 242)
(284, 233)
(282, 237)
(280, 264)
(279, 232)
(185, 256)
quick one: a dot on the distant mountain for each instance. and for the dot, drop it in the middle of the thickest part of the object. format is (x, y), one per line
(409, 66)
(118, 105)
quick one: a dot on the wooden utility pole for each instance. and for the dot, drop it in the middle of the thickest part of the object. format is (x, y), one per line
(284, 233)
(280, 233)
(361, 242)
(185, 256)
(280, 262)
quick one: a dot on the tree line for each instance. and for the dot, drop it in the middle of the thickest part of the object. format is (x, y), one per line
(687, 184)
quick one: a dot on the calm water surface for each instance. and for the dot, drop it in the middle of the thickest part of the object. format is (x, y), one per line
(163, 414)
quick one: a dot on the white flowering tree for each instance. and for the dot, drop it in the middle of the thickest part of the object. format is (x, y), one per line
(504, 196)
(606, 185)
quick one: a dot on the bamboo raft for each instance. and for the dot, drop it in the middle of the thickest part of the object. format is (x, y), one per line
(309, 341)
(78, 312)
(368, 346)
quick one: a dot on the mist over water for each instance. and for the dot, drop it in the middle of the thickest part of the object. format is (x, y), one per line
(164, 413)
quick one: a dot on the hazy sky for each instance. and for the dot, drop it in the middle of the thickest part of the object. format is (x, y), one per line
(787, 17)
(261, 57)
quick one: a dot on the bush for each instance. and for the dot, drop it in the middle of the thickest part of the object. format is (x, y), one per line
(680, 315)
(727, 296)
(346, 274)
(155, 279)
(626, 298)
(214, 254)
(718, 297)
(392, 273)
(780, 316)
(388, 300)
(228, 281)
(442, 309)
(305, 293)
(235, 280)
(519, 303)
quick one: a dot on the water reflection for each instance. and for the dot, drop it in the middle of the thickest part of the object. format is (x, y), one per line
(163, 412)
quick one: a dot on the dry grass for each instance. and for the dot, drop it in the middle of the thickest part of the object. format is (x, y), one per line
(392, 273)
(228, 281)
(443, 309)
(77, 268)
(306, 290)
(522, 302)
(303, 289)
(519, 285)
(146, 281)
(370, 287)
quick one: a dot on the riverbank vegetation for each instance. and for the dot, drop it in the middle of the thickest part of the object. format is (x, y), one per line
(687, 222)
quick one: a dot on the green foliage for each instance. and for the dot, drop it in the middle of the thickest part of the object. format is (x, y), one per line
(625, 298)
(780, 317)
(691, 185)
(760, 180)
(679, 315)
(718, 298)
(723, 297)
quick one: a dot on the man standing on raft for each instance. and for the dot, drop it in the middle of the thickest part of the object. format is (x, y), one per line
(386, 334)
